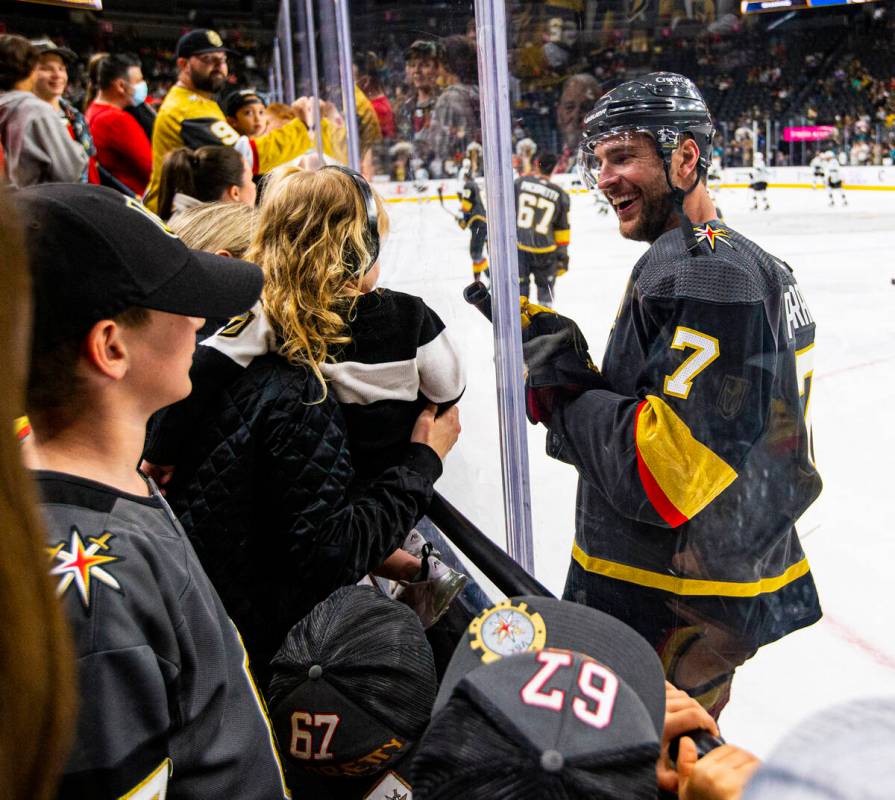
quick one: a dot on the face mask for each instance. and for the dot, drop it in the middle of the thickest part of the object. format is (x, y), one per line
(141, 90)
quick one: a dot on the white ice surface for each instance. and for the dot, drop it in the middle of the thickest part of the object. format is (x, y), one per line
(843, 260)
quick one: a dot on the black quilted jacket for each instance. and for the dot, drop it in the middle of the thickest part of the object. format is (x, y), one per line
(261, 487)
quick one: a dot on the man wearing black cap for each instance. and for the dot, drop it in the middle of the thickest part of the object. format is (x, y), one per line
(696, 456)
(166, 701)
(190, 116)
(548, 699)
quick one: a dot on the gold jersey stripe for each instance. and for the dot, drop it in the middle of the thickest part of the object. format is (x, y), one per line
(689, 474)
(687, 586)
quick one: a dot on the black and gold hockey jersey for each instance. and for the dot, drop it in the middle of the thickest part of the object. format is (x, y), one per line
(189, 119)
(542, 215)
(697, 463)
(471, 203)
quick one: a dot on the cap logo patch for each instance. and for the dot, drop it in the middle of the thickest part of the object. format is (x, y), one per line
(214, 39)
(136, 205)
(505, 630)
(78, 565)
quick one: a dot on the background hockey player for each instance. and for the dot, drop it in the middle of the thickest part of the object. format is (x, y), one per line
(758, 182)
(817, 170)
(695, 457)
(713, 180)
(474, 220)
(542, 230)
(833, 178)
(190, 116)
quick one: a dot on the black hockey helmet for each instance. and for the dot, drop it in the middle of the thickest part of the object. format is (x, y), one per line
(663, 105)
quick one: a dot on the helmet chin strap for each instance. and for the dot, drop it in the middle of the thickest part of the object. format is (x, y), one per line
(678, 196)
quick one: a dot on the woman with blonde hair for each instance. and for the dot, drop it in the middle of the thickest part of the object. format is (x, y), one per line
(37, 695)
(263, 478)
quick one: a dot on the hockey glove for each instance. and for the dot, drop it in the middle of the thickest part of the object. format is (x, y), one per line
(557, 364)
(562, 264)
(462, 223)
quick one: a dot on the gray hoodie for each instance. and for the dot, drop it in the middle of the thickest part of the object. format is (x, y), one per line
(38, 147)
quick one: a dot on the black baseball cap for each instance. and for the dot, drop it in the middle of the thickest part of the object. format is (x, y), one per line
(240, 98)
(544, 698)
(201, 40)
(95, 252)
(360, 658)
(47, 45)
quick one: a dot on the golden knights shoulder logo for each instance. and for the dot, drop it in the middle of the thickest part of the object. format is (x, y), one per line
(236, 325)
(506, 629)
(706, 233)
(78, 565)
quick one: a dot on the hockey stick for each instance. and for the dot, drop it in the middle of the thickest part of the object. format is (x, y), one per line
(457, 217)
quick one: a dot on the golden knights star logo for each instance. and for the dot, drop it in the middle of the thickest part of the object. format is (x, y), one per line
(707, 233)
(79, 564)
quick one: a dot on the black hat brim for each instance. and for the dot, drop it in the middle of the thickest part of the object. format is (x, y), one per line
(210, 49)
(209, 286)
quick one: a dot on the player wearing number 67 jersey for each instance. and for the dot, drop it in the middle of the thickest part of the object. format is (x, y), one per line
(697, 460)
(542, 230)
(190, 116)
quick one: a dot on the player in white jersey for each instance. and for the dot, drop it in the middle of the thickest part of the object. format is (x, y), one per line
(834, 178)
(758, 182)
(713, 178)
(817, 170)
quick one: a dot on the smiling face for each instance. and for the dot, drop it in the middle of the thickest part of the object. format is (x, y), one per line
(50, 77)
(633, 179)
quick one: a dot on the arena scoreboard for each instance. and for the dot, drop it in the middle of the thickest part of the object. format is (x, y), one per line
(760, 6)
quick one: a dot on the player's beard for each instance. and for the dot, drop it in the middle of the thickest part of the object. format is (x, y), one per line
(211, 83)
(657, 214)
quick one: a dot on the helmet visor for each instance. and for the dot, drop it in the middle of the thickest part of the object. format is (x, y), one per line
(616, 152)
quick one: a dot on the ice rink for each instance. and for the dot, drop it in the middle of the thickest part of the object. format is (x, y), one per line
(843, 260)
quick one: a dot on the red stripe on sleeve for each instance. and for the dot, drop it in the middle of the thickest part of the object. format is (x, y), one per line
(256, 162)
(654, 493)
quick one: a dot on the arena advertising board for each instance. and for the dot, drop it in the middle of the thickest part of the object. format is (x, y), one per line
(760, 6)
(84, 5)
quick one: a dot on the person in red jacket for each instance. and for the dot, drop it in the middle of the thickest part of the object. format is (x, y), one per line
(122, 146)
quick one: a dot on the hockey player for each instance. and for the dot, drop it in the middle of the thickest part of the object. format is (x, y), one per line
(817, 170)
(542, 230)
(833, 178)
(474, 220)
(695, 455)
(758, 182)
(714, 175)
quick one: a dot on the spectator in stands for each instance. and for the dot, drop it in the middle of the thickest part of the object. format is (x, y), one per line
(191, 117)
(246, 112)
(368, 71)
(455, 119)
(579, 95)
(50, 82)
(209, 174)
(278, 114)
(277, 521)
(37, 692)
(225, 229)
(167, 704)
(422, 64)
(37, 148)
(121, 143)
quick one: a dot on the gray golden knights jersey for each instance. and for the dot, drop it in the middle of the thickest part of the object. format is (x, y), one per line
(696, 465)
(166, 703)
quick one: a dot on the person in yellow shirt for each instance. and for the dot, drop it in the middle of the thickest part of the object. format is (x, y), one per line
(190, 116)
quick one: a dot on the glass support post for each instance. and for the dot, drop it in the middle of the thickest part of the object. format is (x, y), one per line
(289, 71)
(311, 29)
(343, 37)
(490, 16)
